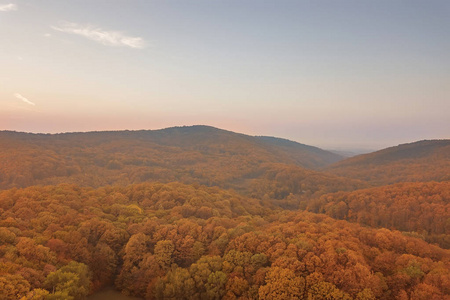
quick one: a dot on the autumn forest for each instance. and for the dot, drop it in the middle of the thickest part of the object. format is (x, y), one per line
(203, 213)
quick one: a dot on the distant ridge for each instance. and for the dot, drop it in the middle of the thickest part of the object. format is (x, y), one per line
(199, 153)
(316, 155)
(198, 137)
(425, 160)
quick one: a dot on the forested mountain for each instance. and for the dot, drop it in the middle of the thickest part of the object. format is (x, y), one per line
(175, 241)
(202, 213)
(420, 161)
(200, 154)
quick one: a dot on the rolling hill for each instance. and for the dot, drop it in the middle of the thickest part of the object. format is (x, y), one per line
(195, 154)
(427, 160)
(219, 215)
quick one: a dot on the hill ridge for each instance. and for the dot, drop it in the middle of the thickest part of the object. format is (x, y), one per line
(424, 160)
(204, 153)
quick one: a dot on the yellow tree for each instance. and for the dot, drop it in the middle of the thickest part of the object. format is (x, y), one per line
(282, 284)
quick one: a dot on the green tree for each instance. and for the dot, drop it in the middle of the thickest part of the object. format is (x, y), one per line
(36, 294)
(73, 279)
(215, 288)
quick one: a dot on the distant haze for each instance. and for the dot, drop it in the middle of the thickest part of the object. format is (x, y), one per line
(335, 74)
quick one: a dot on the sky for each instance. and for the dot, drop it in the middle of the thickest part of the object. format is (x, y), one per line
(337, 74)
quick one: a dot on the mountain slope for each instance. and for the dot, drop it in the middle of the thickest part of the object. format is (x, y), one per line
(420, 161)
(302, 155)
(420, 208)
(196, 154)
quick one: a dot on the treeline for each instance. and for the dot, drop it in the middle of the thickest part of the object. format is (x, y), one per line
(176, 241)
(422, 209)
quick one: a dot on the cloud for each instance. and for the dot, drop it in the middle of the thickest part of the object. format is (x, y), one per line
(20, 97)
(107, 38)
(8, 7)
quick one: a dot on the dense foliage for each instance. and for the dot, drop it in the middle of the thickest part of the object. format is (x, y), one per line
(201, 213)
(175, 241)
(197, 154)
(422, 209)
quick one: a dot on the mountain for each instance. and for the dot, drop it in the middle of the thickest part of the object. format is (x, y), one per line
(195, 154)
(427, 160)
(198, 212)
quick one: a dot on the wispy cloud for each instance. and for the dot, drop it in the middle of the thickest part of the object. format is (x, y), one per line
(105, 37)
(8, 7)
(20, 97)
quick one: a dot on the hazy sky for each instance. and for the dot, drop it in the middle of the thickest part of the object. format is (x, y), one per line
(335, 74)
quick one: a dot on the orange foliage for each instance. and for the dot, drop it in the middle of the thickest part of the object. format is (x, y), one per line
(419, 209)
(141, 238)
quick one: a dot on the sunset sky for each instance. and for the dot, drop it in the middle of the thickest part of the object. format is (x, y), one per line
(334, 74)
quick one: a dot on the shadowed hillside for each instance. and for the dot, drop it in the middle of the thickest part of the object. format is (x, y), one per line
(419, 161)
(303, 155)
